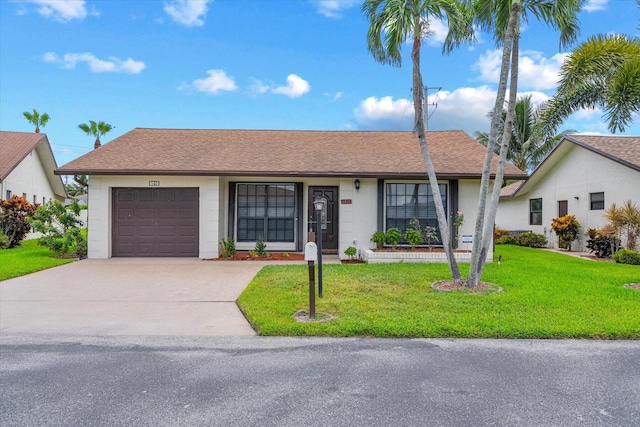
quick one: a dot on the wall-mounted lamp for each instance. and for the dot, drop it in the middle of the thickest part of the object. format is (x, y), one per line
(357, 184)
(577, 198)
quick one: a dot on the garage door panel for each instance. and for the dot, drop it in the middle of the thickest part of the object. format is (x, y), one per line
(156, 222)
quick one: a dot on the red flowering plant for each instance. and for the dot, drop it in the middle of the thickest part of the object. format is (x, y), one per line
(566, 228)
(13, 219)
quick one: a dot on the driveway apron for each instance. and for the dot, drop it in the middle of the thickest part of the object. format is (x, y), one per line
(160, 296)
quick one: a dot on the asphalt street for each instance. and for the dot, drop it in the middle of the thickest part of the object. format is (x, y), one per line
(249, 381)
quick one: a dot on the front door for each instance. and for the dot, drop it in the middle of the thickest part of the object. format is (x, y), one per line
(329, 216)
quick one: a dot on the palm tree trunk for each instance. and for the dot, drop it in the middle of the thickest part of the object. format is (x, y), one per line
(479, 250)
(422, 137)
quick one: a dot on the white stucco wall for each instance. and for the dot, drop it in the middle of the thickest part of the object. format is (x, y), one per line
(100, 208)
(29, 178)
(578, 174)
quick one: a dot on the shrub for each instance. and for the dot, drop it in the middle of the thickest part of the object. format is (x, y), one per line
(261, 247)
(498, 233)
(13, 219)
(532, 240)
(627, 256)
(393, 236)
(60, 228)
(227, 248)
(601, 243)
(413, 237)
(351, 252)
(508, 239)
(4, 241)
(379, 238)
(566, 227)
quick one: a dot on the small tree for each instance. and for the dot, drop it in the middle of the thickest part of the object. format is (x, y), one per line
(13, 219)
(625, 221)
(566, 228)
(96, 129)
(60, 228)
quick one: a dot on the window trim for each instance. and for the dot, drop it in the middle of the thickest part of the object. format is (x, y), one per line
(532, 212)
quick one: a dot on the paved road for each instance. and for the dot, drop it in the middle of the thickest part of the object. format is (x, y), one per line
(251, 381)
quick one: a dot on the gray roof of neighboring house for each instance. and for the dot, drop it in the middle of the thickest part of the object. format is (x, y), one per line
(145, 151)
(624, 150)
(15, 146)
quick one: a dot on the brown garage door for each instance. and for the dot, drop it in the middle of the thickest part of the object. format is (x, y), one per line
(155, 222)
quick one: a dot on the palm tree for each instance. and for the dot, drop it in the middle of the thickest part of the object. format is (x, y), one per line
(503, 18)
(602, 72)
(526, 148)
(391, 23)
(95, 129)
(36, 119)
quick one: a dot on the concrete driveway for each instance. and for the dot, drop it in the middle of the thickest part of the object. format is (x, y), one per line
(165, 296)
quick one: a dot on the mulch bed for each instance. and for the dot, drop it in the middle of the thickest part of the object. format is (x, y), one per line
(483, 288)
(275, 256)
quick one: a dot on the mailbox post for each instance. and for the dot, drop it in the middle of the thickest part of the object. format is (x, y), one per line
(318, 203)
(310, 255)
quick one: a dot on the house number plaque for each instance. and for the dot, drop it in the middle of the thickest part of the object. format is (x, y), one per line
(154, 183)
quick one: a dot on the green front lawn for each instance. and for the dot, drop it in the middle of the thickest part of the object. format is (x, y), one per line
(546, 295)
(27, 258)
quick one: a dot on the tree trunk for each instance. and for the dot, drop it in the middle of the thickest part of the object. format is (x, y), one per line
(422, 137)
(478, 254)
(97, 144)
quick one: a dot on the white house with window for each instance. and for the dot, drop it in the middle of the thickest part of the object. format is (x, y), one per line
(26, 168)
(582, 176)
(179, 192)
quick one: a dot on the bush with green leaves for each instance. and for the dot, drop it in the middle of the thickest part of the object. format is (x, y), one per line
(351, 252)
(261, 247)
(508, 239)
(601, 244)
(532, 240)
(227, 248)
(413, 237)
(60, 228)
(627, 256)
(4, 241)
(379, 239)
(393, 237)
(14, 215)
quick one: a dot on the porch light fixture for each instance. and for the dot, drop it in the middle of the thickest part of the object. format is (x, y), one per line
(357, 184)
(318, 203)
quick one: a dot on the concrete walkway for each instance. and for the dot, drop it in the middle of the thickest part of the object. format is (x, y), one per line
(166, 296)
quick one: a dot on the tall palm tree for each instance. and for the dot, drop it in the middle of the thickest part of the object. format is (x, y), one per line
(503, 17)
(602, 72)
(526, 148)
(36, 119)
(391, 23)
(96, 130)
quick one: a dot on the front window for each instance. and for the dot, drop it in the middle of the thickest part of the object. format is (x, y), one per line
(267, 211)
(535, 211)
(597, 201)
(407, 201)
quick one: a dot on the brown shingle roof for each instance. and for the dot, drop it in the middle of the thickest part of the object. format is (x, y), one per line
(622, 149)
(15, 146)
(278, 153)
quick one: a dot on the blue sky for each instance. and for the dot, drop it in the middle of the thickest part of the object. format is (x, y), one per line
(259, 64)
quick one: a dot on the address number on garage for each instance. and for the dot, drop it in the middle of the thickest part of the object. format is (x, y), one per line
(154, 183)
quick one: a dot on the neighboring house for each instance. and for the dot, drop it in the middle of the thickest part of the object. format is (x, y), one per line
(26, 168)
(582, 176)
(172, 192)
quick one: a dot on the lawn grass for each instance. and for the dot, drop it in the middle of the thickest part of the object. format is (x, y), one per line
(546, 295)
(27, 258)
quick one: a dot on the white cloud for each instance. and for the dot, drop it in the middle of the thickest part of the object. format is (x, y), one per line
(595, 5)
(216, 82)
(384, 114)
(258, 86)
(187, 12)
(112, 65)
(61, 10)
(334, 8)
(295, 88)
(437, 32)
(534, 70)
